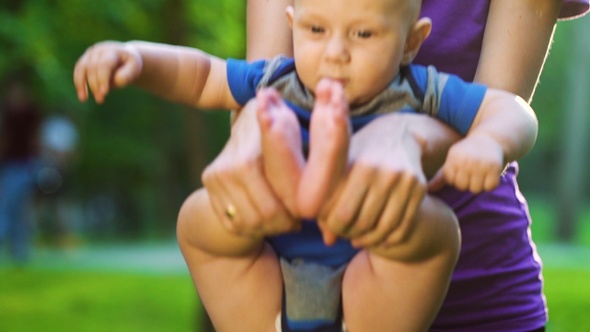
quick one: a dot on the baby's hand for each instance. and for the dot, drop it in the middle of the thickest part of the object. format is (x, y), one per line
(474, 163)
(103, 66)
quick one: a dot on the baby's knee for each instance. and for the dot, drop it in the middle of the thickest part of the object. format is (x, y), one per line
(192, 210)
(201, 232)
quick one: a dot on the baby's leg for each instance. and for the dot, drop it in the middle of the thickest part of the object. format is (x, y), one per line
(311, 289)
(402, 288)
(328, 154)
(281, 145)
(238, 278)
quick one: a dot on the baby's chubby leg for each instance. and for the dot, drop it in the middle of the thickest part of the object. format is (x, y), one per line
(237, 274)
(238, 278)
(401, 287)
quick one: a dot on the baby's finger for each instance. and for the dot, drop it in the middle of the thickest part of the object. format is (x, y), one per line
(107, 64)
(128, 71)
(92, 77)
(80, 78)
(462, 181)
(458, 179)
(491, 182)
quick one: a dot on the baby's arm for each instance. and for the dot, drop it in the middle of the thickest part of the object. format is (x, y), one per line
(504, 129)
(179, 74)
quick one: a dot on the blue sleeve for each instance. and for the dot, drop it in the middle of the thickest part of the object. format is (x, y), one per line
(243, 78)
(448, 97)
(460, 102)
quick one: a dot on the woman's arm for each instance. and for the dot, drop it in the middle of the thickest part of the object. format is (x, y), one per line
(516, 43)
(268, 29)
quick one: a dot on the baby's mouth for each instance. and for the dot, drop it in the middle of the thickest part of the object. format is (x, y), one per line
(342, 81)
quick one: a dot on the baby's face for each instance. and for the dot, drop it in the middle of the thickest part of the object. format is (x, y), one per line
(359, 43)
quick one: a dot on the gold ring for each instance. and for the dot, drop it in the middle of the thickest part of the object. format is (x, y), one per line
(230, 211)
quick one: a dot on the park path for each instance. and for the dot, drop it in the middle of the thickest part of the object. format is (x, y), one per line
(159, 258)
(165, 257)
(565, 256)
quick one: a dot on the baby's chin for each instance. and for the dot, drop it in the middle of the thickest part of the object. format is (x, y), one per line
(358, 100)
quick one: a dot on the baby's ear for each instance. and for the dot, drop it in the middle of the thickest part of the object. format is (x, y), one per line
(290, 15)
(416, 36)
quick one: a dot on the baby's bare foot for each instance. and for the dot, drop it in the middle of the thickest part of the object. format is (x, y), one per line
(281, 146)
(328, 154)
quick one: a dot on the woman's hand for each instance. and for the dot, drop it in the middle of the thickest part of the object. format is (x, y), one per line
(240, 193)
(375, 203)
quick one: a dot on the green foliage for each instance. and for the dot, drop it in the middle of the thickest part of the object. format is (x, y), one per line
(143, 151)
(134, 148)
(544, 213)
(541, 166)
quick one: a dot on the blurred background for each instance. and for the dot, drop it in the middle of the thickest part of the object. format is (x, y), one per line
(96, 250)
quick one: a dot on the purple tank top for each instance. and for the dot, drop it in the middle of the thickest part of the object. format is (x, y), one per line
(497, 284)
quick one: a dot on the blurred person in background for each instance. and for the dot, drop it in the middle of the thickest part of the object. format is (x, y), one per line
(20, 121)
(55, 212)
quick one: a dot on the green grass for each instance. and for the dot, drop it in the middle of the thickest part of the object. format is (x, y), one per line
(51, 300)
(568, 299)
(34, 300)
(566, 272)
(59, 294)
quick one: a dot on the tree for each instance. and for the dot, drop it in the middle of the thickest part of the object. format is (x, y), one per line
(145, 153)
(575, 134)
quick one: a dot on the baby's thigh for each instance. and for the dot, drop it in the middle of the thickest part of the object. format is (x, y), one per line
(379, 294)
(225, 266)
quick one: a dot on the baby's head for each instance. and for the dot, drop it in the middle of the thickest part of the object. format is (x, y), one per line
(360, 43)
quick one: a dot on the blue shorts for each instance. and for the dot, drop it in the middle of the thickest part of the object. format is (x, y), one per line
(307, 244)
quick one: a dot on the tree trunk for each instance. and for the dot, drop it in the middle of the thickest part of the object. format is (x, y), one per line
(571, 169)
(195, 125)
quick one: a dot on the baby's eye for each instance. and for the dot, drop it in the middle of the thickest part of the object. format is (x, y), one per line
(364, 34)
(316, 29)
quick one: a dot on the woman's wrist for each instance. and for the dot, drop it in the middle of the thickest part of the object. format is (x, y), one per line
(432, 137)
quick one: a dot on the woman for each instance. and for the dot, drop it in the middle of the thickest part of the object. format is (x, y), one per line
(497, 283)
